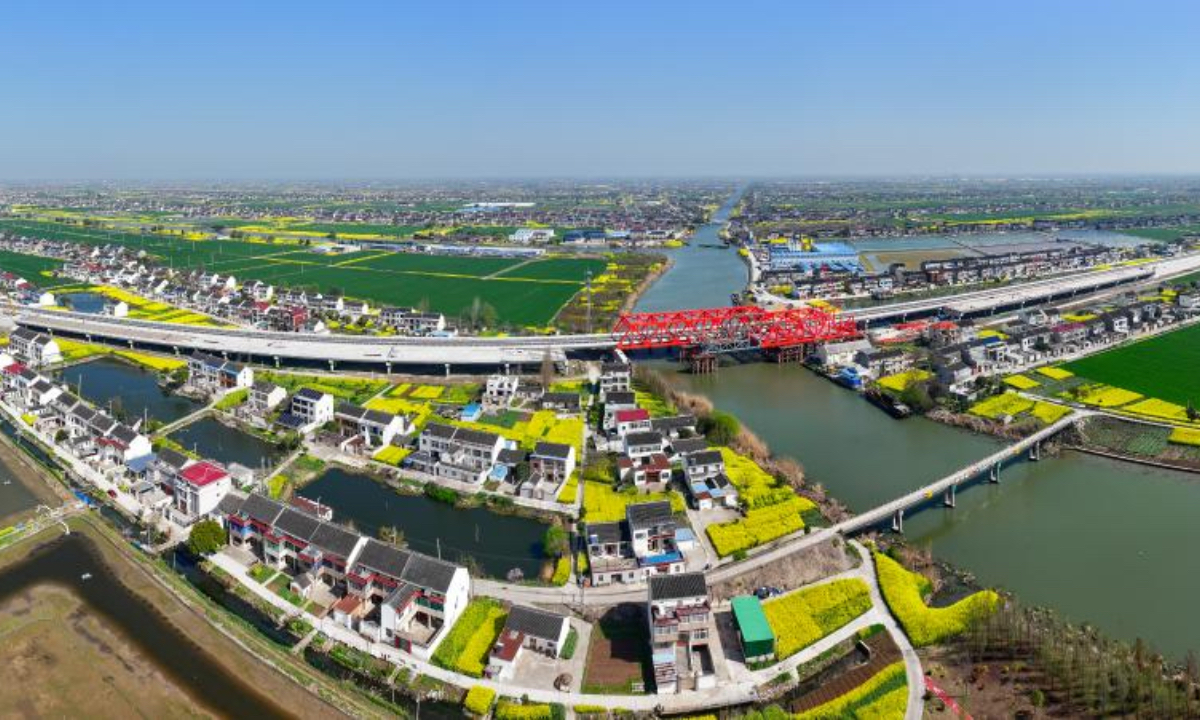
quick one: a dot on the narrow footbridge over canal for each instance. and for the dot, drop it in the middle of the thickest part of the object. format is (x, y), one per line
(947, 486)
(893, 512)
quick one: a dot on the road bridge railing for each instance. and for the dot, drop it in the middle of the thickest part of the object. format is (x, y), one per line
(947, 486)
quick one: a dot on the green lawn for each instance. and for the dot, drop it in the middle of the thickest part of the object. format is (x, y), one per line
(1164, 367)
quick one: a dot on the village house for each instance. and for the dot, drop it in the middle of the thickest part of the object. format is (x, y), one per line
(372, 429)
(841, 353)
(644, 462)
(33, 348)
(615, 377)
(643, 544)
(198, 490)
(527, 236)
(499, 390)
(881, 362)
(412, 322)
(419, 598)
(680, 627)
(635, 420)
(260, 290)
(291, 539)
(309, 410)
(264, 397)
(555, 461)
(707, 484)
(561, 402)
(387, 594)
(614, 402)
(123, 445)
(214, 374)
(529, 628)
(674, 426)
(457, 453)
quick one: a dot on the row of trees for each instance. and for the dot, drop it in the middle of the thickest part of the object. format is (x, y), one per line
(1081, 670)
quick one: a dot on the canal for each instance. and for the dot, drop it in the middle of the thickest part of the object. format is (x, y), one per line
(65, 561)
(497, 542)
(704, 273)
(15, 497)
(128, 389)
(1097, 540)
(210, 438)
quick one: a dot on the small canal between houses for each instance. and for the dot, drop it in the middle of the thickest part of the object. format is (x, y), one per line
(129, 390)
(498, 543)
(210, 438)
(83, 302)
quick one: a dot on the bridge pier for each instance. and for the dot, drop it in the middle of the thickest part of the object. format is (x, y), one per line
(1035, 451)
(703, 363)
(131, 345)
(950, 499)
(447, 369)
(994, 474)
(898, 521)
(276, 361)
(389, 367)
(176, 349)
(332, 366)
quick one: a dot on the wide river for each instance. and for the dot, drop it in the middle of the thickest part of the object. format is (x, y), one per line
(1098, 540)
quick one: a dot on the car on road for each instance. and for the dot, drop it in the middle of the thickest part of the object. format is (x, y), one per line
(767, 591)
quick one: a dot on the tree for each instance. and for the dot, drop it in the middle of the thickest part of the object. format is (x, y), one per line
(555, 543)
(917, 397)
(206, 537)
(1191, 412)
(720, 427)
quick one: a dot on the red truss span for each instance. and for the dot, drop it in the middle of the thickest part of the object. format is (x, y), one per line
(737, 327)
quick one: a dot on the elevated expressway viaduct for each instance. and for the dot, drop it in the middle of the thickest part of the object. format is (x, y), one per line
(987, 302)
(332, 352)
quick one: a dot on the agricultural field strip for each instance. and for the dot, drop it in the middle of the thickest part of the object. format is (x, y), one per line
(1162, 366)
(237, 263)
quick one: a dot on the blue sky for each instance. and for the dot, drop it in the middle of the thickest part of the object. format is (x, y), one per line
(178, 90)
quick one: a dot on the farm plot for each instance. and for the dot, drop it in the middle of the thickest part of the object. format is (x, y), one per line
(447, 284)
(31, 267)
(618, 653)
(1160, 367)
(568, 269)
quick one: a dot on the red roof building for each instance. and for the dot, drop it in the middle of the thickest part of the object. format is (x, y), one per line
(203, 473)
(637, 415)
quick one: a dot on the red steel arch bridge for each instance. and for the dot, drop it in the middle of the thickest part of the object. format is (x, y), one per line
(710, 331)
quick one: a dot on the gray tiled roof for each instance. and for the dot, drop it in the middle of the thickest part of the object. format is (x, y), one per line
(261, 508)
(651, 514)
(704, 457)
(334, 539)
(606, 532)
(383, 558)
(678, 587)
(428, 572)
(538, 623)
(552, 450)
(297, 524)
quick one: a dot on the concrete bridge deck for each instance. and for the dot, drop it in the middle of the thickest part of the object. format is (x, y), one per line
(948, 485)
(382, 351)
